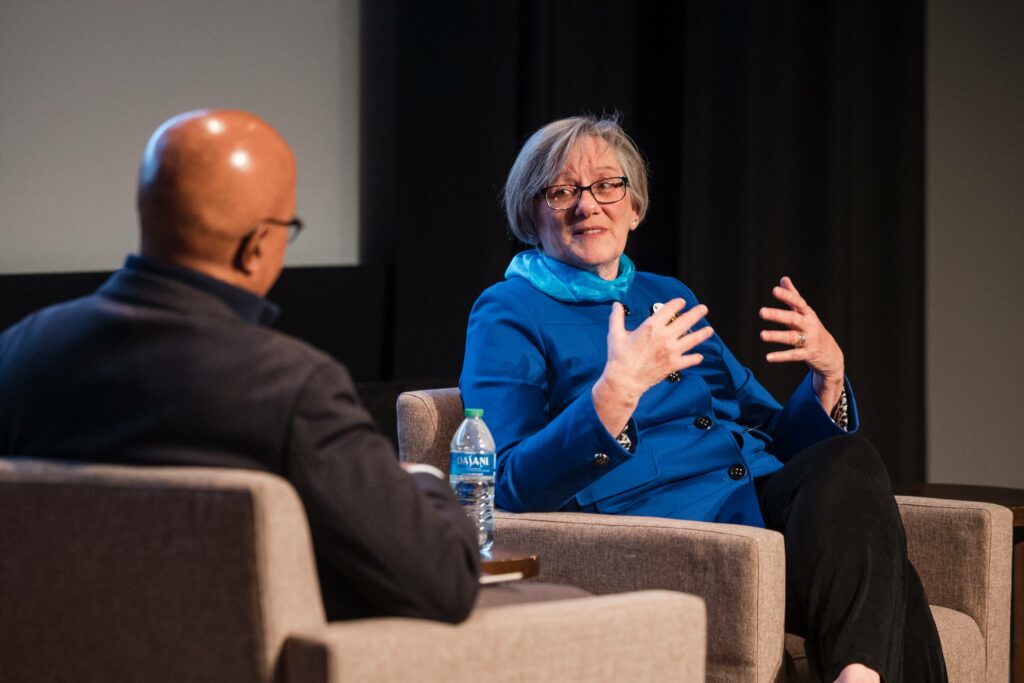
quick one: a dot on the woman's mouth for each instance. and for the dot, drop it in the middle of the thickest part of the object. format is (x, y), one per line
(587, 232)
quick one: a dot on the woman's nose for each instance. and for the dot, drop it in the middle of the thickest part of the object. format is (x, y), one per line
(588, 203)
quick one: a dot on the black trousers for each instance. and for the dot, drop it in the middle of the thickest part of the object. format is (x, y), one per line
(851, 592)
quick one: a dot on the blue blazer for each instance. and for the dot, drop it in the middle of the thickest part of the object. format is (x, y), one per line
(697, 444)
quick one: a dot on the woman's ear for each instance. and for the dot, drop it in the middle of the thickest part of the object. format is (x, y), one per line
(636, 213)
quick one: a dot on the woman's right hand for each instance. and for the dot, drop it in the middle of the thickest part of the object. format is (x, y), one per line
(640, 359)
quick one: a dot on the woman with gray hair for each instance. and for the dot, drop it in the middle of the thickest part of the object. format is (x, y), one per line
(609, 392)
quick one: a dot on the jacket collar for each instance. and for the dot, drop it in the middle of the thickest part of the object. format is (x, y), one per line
(147, 280)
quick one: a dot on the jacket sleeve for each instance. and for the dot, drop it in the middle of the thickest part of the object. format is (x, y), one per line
(543, 460)
(800, 423)
(803, 422)
(387, 542)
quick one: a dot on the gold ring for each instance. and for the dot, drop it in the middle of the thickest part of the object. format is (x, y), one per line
(800, 340)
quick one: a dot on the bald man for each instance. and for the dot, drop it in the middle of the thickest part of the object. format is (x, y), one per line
(171, 362)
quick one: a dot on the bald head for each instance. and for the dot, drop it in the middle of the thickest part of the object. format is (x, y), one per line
(208, 180)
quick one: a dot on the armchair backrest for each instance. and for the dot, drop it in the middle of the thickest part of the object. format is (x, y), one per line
(427, 420)
(150, 573)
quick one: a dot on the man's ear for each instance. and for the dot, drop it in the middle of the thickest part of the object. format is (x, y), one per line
(250, 251)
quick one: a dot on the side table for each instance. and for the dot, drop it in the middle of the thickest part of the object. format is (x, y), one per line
(1010, 498)
(505, 563)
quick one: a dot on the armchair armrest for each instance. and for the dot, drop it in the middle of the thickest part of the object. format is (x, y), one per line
(739, 571)
(646, 636)
(962, 551)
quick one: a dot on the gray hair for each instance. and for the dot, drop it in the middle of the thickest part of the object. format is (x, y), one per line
(545, 154)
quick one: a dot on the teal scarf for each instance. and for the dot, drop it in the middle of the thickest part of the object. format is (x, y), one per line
(566, 283)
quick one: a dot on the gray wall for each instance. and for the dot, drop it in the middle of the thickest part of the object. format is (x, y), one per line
(83, 84)
(975, 249)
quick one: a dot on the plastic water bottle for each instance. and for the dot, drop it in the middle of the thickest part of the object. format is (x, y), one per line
(471, 474)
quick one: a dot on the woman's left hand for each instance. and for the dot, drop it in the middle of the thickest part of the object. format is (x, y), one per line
(811, 342)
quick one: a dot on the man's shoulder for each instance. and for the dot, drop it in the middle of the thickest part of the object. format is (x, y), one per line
(175, 305)
(205, 324)
(57, 314)
(299, 349)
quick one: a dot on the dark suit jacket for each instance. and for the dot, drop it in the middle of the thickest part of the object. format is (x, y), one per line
(161, 366)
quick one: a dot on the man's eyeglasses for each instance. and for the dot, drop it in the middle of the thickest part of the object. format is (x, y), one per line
(604, 191)
(294, 226)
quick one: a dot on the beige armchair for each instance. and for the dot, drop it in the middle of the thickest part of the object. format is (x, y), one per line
(961, 550)
(112, 573)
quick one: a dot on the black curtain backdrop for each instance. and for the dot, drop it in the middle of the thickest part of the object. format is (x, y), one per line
(784, 138)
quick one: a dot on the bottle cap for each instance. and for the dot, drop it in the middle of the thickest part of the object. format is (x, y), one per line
(473, 412)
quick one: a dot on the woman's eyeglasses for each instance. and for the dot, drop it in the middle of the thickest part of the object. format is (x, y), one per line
(604, 191)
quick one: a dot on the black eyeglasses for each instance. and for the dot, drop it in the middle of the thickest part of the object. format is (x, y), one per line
(604, 191)
(294, 226)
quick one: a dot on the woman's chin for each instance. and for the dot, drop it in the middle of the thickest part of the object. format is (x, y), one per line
(606, 268)
(594, 260)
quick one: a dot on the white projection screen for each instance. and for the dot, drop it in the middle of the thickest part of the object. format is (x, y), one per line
(83, 84)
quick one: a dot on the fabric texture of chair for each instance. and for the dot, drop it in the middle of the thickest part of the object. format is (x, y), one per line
(962, 551)
(116, 573)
